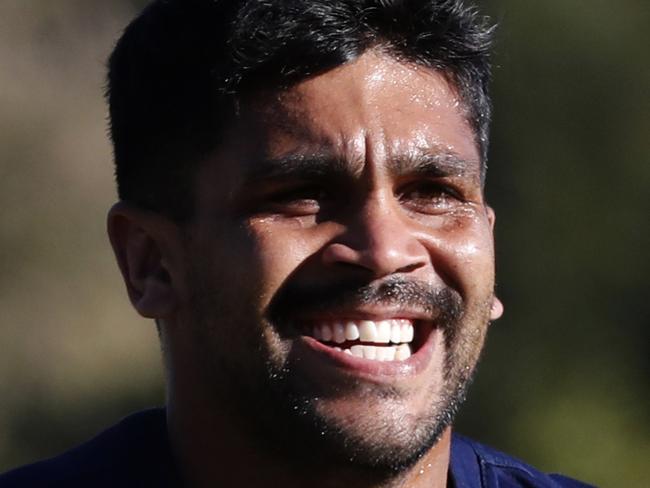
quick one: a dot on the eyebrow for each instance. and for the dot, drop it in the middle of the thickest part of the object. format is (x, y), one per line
(434, 163)
(297, 166)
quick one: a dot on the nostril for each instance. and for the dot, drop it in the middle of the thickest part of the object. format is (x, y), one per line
(371, 260)
(380, 257)
(409, 268)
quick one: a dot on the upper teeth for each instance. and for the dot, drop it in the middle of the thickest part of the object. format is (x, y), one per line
(396, 331)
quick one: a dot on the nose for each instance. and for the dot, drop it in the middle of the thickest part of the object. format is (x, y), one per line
(378, 239)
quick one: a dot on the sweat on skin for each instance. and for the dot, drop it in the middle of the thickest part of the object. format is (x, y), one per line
(352, 204)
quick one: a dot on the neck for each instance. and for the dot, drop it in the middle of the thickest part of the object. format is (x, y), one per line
(212, 449)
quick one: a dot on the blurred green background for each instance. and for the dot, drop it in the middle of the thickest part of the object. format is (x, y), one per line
(564, 379)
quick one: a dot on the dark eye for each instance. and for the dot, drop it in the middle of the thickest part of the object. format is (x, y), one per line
(299, 200)
(429, 197)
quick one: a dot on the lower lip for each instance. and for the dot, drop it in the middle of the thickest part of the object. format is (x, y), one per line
(412, 366)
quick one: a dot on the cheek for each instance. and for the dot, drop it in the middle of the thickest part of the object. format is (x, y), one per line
(474, 253)
(462, 252)
(476, 266)
(474, 250)
(279, 251)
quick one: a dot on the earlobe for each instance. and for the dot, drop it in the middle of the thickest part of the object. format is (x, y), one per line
(137, 242)
(496, 310)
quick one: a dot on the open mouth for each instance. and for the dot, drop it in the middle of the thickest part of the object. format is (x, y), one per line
(377, 340)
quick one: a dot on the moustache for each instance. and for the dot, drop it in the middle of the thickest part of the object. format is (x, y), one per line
(295, 299)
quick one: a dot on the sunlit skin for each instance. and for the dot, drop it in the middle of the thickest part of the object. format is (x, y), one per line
(367, 172)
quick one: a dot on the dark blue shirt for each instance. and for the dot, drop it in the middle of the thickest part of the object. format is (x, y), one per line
(136, 453)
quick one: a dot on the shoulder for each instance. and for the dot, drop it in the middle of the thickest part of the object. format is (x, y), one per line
(475, 464)
(130, 453)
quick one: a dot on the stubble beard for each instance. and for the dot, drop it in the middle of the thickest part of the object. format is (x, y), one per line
(271, 403)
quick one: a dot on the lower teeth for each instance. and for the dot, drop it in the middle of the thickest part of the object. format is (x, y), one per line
(379, 353)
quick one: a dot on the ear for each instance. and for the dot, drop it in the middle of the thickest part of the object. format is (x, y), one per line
(491, 216)
(496, 310)
(141, 243)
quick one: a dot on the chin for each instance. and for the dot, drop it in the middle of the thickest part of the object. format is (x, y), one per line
(365, 427)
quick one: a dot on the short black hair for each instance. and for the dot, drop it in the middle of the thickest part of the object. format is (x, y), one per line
(178, 69)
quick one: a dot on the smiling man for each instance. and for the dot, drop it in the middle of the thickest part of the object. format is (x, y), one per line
(302, 212)
(338, 271)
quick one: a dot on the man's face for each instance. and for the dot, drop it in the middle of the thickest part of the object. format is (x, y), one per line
(339, 270)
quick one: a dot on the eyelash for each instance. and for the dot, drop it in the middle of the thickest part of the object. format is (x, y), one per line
(432, 191)
(311, 192)
(307, 199)
(422, 196)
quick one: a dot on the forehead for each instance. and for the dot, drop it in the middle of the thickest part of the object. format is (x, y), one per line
(374, 114)
(368, 111)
